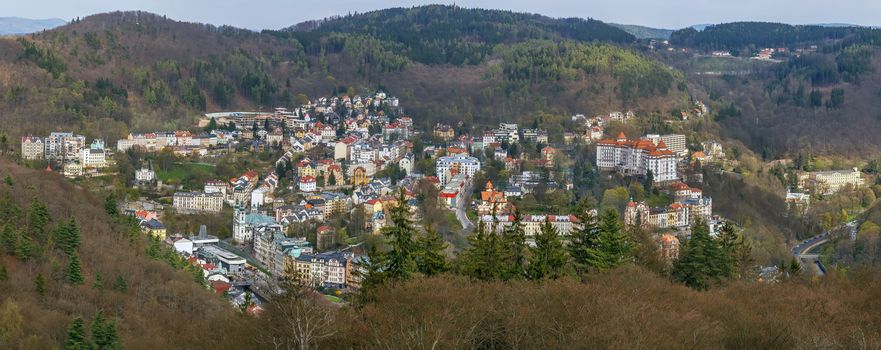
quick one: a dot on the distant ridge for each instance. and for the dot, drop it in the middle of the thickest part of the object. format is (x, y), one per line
(643, 32)
(18, 25)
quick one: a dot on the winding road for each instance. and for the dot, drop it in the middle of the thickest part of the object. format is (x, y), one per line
(811, 262)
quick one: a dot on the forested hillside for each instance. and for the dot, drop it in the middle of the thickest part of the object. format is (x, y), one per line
(63, 258)
(817, 95)
(110, 73)
(737, 35)
(439, 34)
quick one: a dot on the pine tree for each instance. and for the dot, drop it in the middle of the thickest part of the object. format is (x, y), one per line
(515, 249)
(701, 259)
(9, 211)
(110, 205)
(793, 269)
(8, 180)
(38, 217)
(4, 275)
(614, 244)
(74, 271)
(24, 248)
(483, 258)
(76, 336)
(120, 285)
(400, 259)
(67, 237)
(99, 282)
(104, 333)
(584, 244)
(430, 257)
(549, 256)
(40, 285)
(9, 239)
(372, 273)
(737, 254)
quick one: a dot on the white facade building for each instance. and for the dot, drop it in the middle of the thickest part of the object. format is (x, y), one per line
(198, 202)
(458, 164)
(637, 158)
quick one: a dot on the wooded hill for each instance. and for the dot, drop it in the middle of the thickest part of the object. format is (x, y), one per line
(109, 73)
(62, 257)
(820, 101)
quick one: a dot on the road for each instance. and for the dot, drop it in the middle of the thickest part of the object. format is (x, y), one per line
(811, 262)
(467, 225)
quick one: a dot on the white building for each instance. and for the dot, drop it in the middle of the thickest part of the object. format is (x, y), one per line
(63, 146)
(674, 142)
(198, 202)
(564, 224)
(458, 164)
(637, 158)
(91, 158)
(829, 182)
(308, 184)
(32, 148)
(144, 175)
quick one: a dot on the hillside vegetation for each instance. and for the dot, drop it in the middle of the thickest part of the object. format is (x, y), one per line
(48, 279)
(109, 73)
(816, 96)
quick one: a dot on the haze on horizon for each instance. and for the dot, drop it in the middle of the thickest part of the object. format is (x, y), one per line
(275, 14)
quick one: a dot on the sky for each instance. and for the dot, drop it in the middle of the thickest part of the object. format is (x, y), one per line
(275, 14)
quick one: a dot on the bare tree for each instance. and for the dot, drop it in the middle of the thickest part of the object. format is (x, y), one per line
(301, 319)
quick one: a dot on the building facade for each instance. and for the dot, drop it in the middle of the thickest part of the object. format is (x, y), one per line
(637, 157)
(198, 202)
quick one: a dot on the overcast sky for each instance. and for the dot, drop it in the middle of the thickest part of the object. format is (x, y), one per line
(274, 14)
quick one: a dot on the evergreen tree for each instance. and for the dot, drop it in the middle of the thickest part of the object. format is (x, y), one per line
(24, 248)
(67, 236)
(9, 211)
(246, 304)
(430, 257)
(9, 239)
(110, 205)
(793, 269)
(483, 258)
(120, 285)
(104, 333)
(372, 273)
(40, 285)
(74, 271)
(212, 124)
(584, 243)
(8, 180)
(38, 217)
(515, 249)
(400, 259)
(700, 263)
(549, 256)
(614, 244)
(99, 281)
(76, 336)
(4, 275)
(737, 253)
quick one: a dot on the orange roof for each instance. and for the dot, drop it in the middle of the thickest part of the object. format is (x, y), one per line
(622, 136)
(679, 186)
